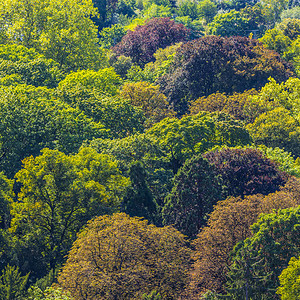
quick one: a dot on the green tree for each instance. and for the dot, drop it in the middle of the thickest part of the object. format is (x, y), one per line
(292, 13)
(285, 160)
(61, 30)
(6, 198)
(94, 93)
(259, 260)
(289, 288)
(196, 189)
(12, 284)
(118, 257)
(34, 293)
(59, 194)
(157, 11)
(147, 150)
(290, 28)
(272, 10)
(229, 23)
(276, 128)
(152, 296)
(190, 135)
(275, 39)
(188, 8)
(106, 9)
(118, 116)
(121, 64)
(196, 27)
(29, 66)
(32, 119)
(138, 201)
(110, 36)
(87, 82)
(207, 9)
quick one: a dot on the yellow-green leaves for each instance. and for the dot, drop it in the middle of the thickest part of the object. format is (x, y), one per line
(76, 84)
(289, 288)
(60, 193)
(59, 29)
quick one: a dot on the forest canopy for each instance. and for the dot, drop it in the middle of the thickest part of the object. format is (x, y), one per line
(149, 149)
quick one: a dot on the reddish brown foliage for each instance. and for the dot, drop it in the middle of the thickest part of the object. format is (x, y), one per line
(246, 172)
(211, 64)
(143, 42)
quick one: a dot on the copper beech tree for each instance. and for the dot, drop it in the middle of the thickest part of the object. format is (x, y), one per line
(211, 64)
(246, 172)
(143, 42)
(119, 257)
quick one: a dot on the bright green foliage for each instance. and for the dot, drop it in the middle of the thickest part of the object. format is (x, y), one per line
(119, 117)
(196, 189)
(183, 138)
(293, 54)
(277, 128)
(188, 8)
(149, 152)
(290, 28)
(285, 160)
(274, 95)
(60, 29)
(284, 39)
(152, 296)
(275, 39)
(229, 23)
(272, 10)
(157, 11)
(32, 119)
(207, 9)
(30, 67)
(196, 27)
(293, 13)
(134, 23)
(289, 288)
(34, 293)
(258, 261)
(110, 36)
(59, 194)
(154, 70)
(12, 284)
(240, 4)
(91, 92)
(86, 82)
(166, 3)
